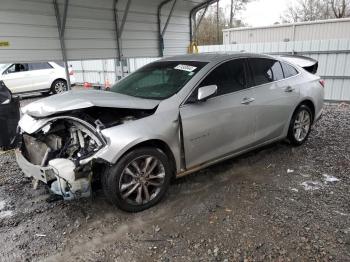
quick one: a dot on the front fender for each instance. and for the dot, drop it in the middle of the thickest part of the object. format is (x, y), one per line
(124, 137)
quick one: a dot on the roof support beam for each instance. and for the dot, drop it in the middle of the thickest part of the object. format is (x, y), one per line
(119, 30)
(161, 32)
(117, 34)
(125, 15)
(169, 16)
(196, 25)
(61, 26)
(64, 18)
(193, 13)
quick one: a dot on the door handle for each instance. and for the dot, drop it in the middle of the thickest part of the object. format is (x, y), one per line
(247, 100)
(289, 89)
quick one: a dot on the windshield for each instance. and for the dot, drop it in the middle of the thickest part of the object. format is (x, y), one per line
(3, 66)
(158, 80)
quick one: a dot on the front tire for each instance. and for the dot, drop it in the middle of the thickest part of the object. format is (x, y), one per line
(139, 180)
(59, 86)
(300, 125)
(45, 93)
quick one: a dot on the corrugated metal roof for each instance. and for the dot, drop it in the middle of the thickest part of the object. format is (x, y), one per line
(30, 29)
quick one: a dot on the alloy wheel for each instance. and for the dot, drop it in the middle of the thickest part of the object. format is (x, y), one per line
(142, 180)
(60, 87)
(302, 125)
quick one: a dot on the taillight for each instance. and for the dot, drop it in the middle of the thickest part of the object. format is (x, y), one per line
(322, 82)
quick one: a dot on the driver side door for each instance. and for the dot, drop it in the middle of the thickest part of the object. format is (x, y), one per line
(224, 123)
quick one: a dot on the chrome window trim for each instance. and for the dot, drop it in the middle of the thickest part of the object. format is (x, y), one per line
(248, 88)
(211, 70)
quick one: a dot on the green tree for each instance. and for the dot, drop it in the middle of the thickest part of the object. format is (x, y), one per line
(209, 31)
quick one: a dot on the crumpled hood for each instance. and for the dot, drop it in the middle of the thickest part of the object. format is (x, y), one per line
(73, 100)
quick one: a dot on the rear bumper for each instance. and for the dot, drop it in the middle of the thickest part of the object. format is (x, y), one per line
(44, 174)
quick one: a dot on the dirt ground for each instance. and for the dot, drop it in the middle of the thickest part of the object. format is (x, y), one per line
(277, 204)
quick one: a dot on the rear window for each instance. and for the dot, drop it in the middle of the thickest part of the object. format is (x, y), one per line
(265, 70)
(288, 70)
(60, 63)
(39, 66)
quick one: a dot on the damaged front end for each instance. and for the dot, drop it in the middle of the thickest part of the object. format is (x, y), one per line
(59, 154)
(62, 151)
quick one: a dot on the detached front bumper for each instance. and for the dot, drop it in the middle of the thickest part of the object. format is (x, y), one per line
(44, 174)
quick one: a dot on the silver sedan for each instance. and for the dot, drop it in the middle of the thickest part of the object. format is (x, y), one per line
(168, 119)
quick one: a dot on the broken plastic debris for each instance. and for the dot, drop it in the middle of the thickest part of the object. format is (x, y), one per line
(341, 213)
(156, 228)
(2, 204)
(40, 235)
(6, 213)
(311, 185)
(328, 178)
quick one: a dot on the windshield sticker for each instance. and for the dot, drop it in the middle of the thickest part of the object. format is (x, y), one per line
(187, 68)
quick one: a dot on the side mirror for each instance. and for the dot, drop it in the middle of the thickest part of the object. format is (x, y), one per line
(205, 92)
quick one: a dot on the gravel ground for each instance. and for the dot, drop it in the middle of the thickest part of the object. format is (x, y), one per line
(277, 204)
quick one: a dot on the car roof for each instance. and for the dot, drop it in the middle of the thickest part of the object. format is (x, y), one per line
(214, 57)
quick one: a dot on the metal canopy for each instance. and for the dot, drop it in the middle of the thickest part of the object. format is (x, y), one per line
(46, 30)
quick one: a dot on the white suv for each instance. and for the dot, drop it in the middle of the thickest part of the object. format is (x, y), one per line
(44, 77)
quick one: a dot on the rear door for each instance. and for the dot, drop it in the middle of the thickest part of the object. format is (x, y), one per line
(41, 75)
(224, 123)
(275, 97)
(17, 78)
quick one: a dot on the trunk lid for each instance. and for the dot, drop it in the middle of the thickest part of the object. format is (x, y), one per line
(309, 64)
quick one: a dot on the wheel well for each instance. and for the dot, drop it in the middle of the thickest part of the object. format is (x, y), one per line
(311, 105)
(58, 79)
(160, 145)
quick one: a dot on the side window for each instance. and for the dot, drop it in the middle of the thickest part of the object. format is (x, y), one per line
(289, 70)
(265, 70)
(229, 77)
(15, 68)
(39, 66)
(276, 71)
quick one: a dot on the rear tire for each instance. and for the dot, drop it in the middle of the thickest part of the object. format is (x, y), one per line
(139, 180)
(59, 86)
(300, 125)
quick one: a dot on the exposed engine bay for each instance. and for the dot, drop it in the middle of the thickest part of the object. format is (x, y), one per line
(64, 148)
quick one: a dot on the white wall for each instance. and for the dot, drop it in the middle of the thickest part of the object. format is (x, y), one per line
(99, 71)
(305, 31)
